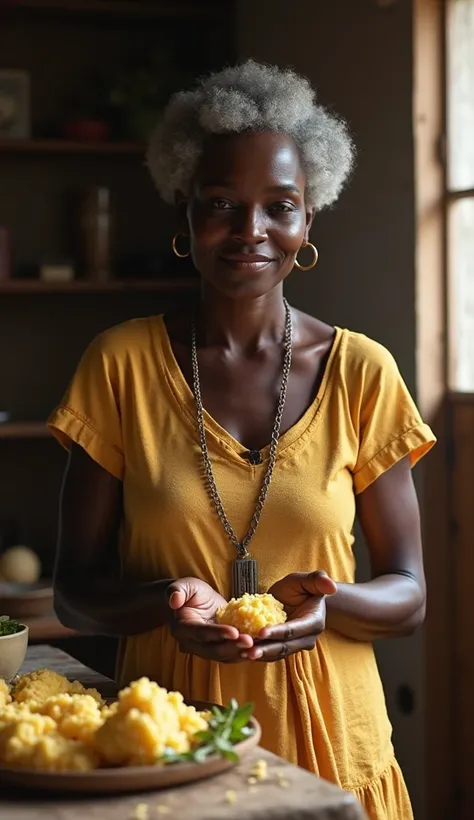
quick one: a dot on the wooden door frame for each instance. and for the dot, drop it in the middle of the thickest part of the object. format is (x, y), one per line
(429, 117)
(461, 411)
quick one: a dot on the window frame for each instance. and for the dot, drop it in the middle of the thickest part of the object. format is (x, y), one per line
(452, 195)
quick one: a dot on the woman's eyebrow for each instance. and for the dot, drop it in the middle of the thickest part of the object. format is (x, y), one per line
(274, 189)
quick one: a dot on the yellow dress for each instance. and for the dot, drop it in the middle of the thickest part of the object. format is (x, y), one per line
(131, 409)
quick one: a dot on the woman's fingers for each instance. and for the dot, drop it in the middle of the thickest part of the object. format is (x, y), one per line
(220, 651)
(177, 595)
(244, 641)
(278, 650)
(297, 628)
(307, 619)
(201, 632)
(319, 583)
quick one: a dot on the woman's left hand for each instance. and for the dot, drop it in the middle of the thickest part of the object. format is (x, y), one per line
(303, 594)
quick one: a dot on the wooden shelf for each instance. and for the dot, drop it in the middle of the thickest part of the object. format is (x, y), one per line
(177, 285)
(133, 9)
(24, 429)
(47, 628)
(50, 146)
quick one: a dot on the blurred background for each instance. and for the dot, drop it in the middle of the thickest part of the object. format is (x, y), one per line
(86, 243)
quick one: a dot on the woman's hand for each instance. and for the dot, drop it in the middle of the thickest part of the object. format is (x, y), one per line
(194, 604)
(303, 595)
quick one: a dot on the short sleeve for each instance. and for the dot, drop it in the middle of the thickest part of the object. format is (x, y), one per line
(390, 425)
(89, 413)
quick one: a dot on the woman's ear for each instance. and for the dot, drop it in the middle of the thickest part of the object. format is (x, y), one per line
(310, 214)
(181, 202)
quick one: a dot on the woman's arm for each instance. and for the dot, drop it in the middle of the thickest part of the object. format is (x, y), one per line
(89, 594)
(392, 604)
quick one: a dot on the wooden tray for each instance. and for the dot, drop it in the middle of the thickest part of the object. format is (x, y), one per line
(25, 600)
(127, 778)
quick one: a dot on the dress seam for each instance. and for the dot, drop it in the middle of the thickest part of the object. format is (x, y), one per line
(84, 420)
(388, 445)
(364, 784)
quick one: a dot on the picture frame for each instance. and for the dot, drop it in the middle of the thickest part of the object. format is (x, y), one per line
(15, 114)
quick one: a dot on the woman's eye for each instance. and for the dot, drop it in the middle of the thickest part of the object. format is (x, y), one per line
(221, 204)
(283, 207)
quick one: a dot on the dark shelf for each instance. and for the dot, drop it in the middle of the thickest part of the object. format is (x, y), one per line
(132, 9)
(50, 146)
(85, 286)
(24, 429)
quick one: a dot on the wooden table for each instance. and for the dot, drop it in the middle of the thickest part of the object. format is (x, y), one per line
(289, 793)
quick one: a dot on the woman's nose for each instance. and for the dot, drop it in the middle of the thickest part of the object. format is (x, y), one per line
(249, 225)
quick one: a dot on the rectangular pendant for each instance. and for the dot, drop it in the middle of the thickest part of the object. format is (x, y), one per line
(244, 577)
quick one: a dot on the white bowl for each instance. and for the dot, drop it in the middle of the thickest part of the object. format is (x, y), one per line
(12, 653)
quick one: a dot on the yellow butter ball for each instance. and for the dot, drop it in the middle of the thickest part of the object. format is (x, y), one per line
(251, 613)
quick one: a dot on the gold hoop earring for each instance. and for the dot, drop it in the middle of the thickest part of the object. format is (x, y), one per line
(314, 260)
(175, 249)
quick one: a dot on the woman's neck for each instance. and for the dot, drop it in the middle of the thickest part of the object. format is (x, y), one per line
(241, 324)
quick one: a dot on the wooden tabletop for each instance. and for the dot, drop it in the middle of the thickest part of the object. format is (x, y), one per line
(288, 793)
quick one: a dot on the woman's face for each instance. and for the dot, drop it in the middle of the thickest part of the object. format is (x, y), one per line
(246, 213)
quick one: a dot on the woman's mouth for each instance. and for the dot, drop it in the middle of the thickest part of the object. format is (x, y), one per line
(246, 261)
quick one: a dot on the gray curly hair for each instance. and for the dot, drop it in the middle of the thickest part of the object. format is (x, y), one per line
(251, 97)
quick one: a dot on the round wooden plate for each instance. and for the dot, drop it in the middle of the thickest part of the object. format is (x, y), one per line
(127, 778)
(26, 600)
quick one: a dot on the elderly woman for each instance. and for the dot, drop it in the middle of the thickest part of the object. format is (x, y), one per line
(228, 449)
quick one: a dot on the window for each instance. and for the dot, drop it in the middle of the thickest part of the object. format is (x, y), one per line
(460, 191)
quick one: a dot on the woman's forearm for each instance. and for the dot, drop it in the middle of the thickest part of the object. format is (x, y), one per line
(110, 607)
(387, 607)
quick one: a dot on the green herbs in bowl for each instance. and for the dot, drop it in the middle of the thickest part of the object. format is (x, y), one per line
(8, 626)
(13, 646)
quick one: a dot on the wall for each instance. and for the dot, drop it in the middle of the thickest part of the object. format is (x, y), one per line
(43, 334)
(359, 56)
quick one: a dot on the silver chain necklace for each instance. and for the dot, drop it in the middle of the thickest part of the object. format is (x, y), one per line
(245, 568)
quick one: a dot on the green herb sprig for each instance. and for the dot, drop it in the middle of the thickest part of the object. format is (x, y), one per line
(228, 725)
(8, 626)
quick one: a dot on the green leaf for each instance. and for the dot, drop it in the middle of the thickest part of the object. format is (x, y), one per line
(205, 736)
(230, 755)
(217, 712)
(227, 726)
(170, 756)
(202, 752)
(243, 716)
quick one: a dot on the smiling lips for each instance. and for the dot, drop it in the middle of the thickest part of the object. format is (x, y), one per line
(247, 261)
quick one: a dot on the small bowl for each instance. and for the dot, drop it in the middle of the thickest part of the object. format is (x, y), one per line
(12, 653)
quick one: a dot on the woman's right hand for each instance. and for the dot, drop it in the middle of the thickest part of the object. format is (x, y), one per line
(192, 624)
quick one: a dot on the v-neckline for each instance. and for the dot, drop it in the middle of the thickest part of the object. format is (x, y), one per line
(182, 392)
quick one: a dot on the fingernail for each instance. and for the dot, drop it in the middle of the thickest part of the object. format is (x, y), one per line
(258, 654)
(242, 644)
(244, 655)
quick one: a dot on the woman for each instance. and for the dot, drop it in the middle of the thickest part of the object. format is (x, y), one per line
(248, 430)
